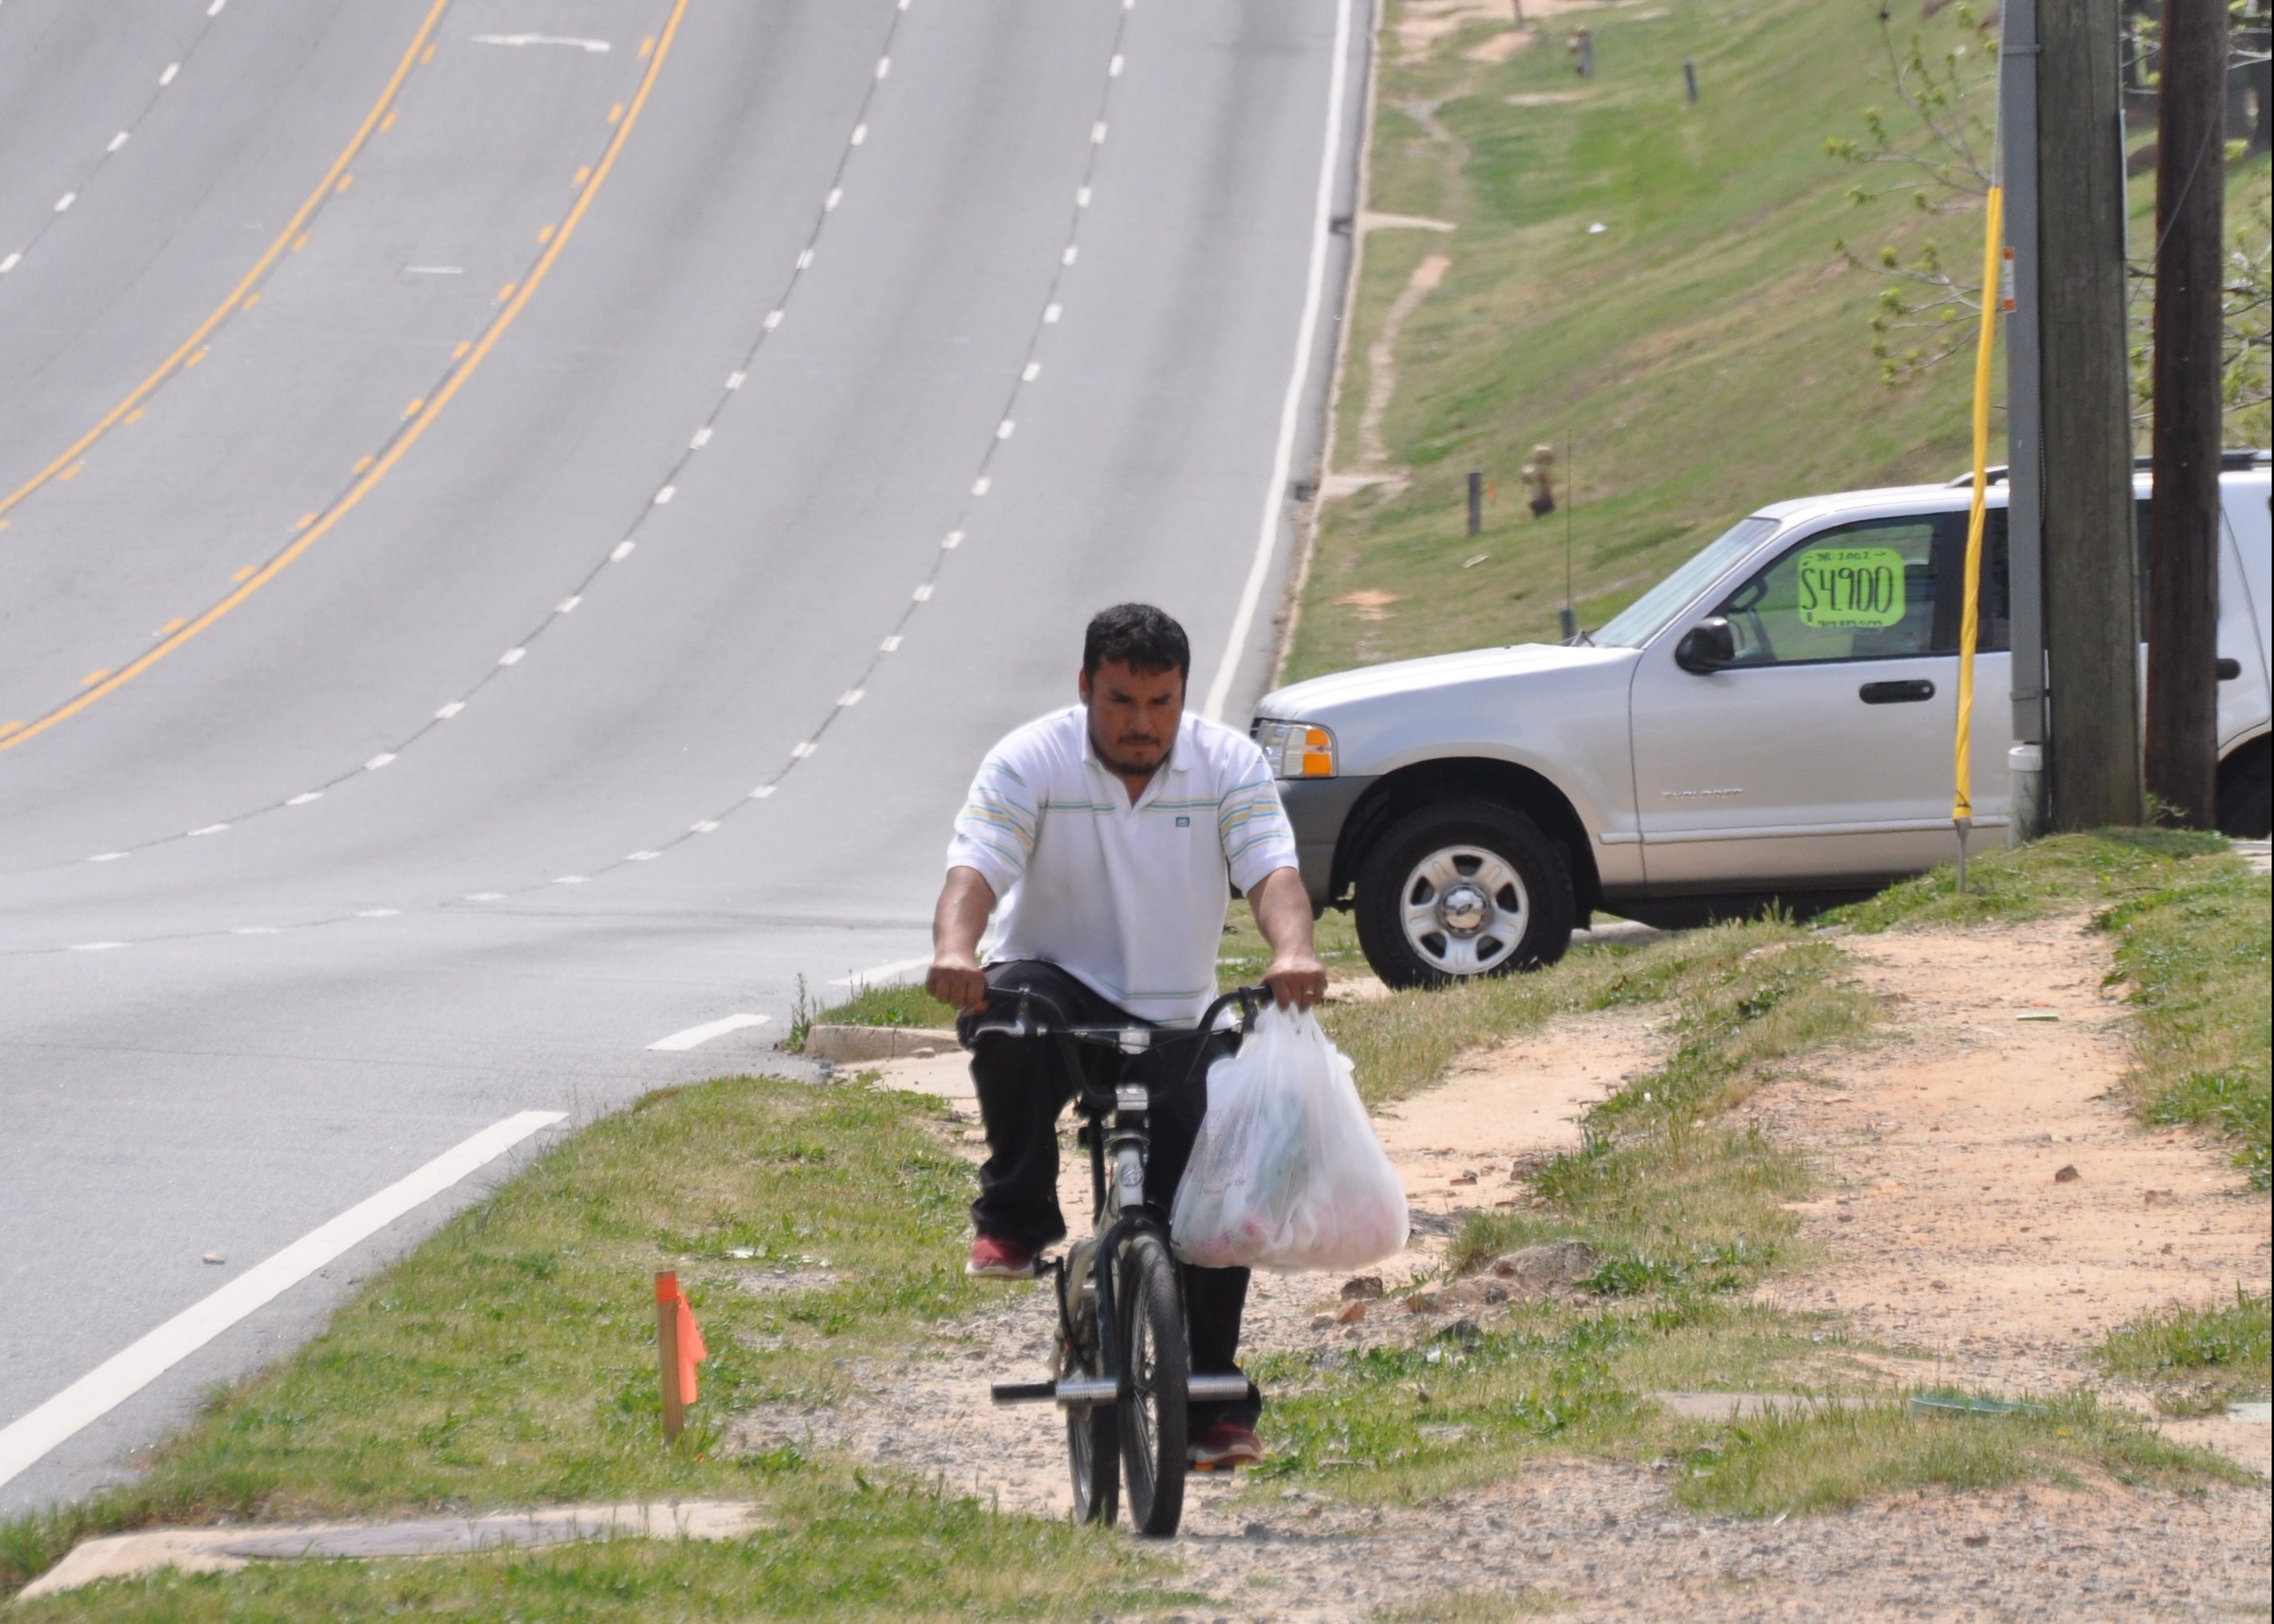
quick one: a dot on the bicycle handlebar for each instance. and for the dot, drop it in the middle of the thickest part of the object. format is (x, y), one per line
(1054, 1024)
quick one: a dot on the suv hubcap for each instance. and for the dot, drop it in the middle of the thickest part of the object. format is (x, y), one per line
(1465, 910)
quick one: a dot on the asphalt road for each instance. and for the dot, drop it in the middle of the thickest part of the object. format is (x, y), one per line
(521, 517)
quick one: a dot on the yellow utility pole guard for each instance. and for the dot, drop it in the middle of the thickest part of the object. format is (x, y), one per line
(1961, 801)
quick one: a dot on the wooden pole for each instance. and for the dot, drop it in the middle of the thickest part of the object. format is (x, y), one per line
(667, 1350)
(2091, 579)
(2182, 609)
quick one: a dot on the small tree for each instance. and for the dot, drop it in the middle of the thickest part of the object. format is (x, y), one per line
(1943, 155)
(1940, 150)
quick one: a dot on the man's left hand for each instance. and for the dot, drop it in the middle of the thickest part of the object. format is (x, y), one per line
(1297, 979)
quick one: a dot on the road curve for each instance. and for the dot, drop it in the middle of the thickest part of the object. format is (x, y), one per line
(519, 520)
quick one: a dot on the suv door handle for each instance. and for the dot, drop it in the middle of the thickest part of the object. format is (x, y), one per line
(1896, 692)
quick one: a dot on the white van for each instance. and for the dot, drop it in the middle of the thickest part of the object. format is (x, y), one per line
(1772, 719)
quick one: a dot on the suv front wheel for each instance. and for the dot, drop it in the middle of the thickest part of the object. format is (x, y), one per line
(1459, 891)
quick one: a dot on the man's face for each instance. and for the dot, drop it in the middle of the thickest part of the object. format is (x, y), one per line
(1132, 715)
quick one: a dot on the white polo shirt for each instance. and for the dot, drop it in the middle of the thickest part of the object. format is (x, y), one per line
(1130, 899)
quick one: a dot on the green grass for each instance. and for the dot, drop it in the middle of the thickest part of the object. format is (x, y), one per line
(510, 1360)
(2196, 1358)
(1404, 1041)
(1838, 1457)
(2192, 948)
(1684, 1213)
(886, 1555)
(1707, 353)
(902, 1004)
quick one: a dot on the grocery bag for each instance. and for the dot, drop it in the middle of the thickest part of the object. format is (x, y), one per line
(1286, 1173)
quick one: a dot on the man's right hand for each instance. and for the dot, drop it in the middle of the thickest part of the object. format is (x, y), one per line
(958, 981)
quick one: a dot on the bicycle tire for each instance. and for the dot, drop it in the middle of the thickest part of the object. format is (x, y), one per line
(1093, 1433)
(1158, 1363)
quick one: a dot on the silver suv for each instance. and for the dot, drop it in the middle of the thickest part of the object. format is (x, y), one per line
(1772, 719)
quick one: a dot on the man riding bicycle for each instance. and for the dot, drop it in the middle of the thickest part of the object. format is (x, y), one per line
(1111, 834)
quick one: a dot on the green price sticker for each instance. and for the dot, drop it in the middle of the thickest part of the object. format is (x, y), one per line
(1851, 587)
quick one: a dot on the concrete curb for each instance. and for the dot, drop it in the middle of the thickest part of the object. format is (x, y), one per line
(848, 1045)
(224, 1549)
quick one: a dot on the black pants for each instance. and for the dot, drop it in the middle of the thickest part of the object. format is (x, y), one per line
(1021, 1093)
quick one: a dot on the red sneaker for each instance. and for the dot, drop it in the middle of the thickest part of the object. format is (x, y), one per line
(1224, 1445)
(994, 1260)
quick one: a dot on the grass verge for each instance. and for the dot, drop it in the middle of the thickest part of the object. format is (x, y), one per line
(2196, 1360)
(510, 1360)
(2191, 923)
(1648, 285)
(889, 1554)
(1683, 1212)
(1680, 1211)
(1839, 1455)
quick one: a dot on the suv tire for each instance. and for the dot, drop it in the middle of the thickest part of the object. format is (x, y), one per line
(2246, 791)
(1460, 891)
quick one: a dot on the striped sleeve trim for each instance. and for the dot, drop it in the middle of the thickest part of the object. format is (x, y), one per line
(995, 831)
(1257, 836)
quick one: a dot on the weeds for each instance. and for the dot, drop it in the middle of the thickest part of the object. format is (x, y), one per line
(2196, 1358)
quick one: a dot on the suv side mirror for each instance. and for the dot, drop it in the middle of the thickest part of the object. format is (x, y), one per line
(1706, 647)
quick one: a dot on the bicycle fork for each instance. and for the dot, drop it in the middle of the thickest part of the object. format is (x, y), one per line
(1089, 1267)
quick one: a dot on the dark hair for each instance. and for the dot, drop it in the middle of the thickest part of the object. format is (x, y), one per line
(1137, 635)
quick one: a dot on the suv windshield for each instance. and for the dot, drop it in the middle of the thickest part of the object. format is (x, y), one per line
(1644, 618)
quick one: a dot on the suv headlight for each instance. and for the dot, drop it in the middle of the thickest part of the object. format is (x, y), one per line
(1296, 749)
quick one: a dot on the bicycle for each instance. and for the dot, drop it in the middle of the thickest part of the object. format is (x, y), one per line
(1121, 1365)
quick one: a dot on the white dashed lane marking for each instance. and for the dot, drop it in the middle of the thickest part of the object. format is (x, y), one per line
(70, 195)
(884, 974)
(668, 489)
(1053, 311)
(596, 47)
(693, 1037)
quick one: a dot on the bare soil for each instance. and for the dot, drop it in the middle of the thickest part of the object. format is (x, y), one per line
(1989, 1200)
(1944, 1230)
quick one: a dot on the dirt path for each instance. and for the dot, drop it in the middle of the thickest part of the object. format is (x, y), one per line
(933, 1415)
(1989, 1199)
(1940, 1146)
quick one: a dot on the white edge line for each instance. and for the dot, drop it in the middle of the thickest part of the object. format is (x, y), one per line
(693, 1035)
(124, 1374)
(1274, 494)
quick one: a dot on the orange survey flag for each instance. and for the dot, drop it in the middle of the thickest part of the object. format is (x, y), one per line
(688, 1336)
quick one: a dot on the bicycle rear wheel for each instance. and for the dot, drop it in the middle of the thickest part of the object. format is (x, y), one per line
(1093, 1436)
(1159, 1365)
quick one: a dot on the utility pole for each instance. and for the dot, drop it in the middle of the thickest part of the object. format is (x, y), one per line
(2090, 550)
(2182, 609)
(2017, 120)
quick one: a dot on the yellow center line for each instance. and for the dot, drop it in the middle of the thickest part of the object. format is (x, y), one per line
(409, 435)
(190, 345)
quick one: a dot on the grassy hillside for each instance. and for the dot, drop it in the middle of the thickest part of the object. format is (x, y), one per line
(1707, 351)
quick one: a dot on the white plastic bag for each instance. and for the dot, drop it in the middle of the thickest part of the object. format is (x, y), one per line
(1286, 1173)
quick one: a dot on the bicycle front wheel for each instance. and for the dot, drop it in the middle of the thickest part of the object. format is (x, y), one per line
(1159, 1365)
